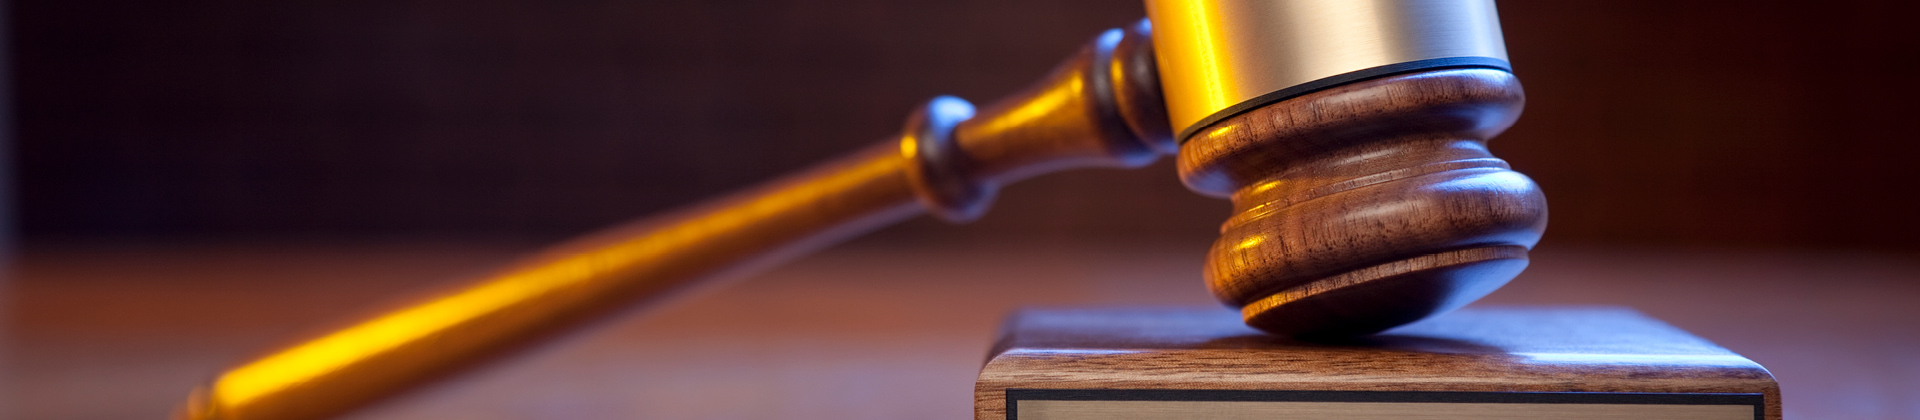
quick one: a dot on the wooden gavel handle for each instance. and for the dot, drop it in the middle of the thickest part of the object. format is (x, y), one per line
(1100, 108)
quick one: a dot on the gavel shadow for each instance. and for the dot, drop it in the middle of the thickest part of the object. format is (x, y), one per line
(1387, 342)
(1212, 328)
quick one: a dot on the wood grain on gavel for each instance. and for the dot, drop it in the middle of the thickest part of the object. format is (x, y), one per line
(1357, 208)
(1367, 206)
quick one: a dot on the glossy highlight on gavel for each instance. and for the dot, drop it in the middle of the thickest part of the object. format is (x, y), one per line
(1363, 193)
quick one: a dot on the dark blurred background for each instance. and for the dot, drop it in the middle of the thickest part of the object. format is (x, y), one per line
(1757, 124)
(197, 182)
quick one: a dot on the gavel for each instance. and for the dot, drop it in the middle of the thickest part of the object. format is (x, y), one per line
(1349, 136)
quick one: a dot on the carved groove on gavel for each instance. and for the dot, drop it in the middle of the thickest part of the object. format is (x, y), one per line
(1362, 199)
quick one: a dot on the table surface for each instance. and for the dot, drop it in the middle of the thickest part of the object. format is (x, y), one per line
(866, 331)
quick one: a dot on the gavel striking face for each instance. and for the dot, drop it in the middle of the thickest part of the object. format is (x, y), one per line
(1350, 137)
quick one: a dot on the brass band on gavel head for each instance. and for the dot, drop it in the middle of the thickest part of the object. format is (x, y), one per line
(1218, 58)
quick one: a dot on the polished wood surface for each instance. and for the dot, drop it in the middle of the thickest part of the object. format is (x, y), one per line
(1488, 349)
(878, 329)
(1369, 205)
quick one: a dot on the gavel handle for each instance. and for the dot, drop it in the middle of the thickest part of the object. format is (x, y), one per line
(1100, 108)
(566, 287)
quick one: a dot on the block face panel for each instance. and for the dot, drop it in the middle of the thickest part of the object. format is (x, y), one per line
(1160, 404)
(1519, 354)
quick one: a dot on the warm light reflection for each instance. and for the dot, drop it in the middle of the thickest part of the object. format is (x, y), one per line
(1250, 242)
(1028, 114)
(1262, 188)
(1222, 131)
(384, 334)
(1209, 50)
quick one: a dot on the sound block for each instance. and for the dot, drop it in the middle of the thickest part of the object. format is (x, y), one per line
(1145, 363)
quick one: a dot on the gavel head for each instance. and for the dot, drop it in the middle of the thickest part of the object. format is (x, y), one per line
(1351, 138)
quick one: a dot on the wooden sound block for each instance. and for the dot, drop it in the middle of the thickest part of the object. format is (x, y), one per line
(1475, 363)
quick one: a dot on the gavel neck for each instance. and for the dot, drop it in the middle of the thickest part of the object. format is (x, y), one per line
(1101, 107)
